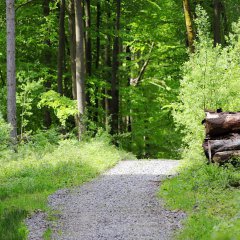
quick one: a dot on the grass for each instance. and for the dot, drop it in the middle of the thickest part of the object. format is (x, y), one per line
(210, 195)
(29, 177)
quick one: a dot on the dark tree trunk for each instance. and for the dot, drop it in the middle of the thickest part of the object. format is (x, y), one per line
(47, 60)
(72, 47)
(88, 38)
(225, 23)
(107, 59)
(98, 33)
(128, 118)
(217, 7)
(189, 25)
(115, 66)
(61, 46)
(11, 68)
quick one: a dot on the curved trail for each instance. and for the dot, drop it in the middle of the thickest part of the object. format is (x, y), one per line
(121, 204)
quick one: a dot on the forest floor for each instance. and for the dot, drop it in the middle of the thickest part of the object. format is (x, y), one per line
(121, 204)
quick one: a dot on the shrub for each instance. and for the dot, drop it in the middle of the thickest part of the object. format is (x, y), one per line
(210, 81)
(4, 133)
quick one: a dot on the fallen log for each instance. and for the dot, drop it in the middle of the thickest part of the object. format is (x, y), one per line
(222, 157)
(229, 143)
(221, 123)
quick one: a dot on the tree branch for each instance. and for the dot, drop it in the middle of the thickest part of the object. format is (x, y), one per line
(135, 81)
(22, 5)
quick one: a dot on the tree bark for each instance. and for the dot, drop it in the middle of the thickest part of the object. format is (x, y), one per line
(228, 143)
(115, 66)
(128, 118)
(136, 81)
(11, 68)
(80, 65)
(88, 38)
(98, 33)
(218, 124)
(61, 47)
(189, 25)
(47, 60)
(217, 7)
(72, 41)
(107, 59)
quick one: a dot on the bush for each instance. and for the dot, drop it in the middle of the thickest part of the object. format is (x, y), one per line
(4, 133)
(210, 81)
(210, 196)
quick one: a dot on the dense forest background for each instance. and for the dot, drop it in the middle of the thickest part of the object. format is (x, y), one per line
(80, 76)
(128, 56)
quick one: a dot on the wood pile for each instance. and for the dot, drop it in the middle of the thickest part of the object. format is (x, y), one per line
(222, 140)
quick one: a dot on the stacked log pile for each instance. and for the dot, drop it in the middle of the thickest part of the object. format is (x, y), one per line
(222, 140)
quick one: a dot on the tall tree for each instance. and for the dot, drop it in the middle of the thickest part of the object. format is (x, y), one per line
(217, 7)
(189, 25)
(61, 46)
(47, 60)
(72, 34)
(88, 38)
(107, 62)
(115, 66)
(98, 20)
(80, 64)
(11, 67)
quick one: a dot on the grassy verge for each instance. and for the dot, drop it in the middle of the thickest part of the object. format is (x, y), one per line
(27, 180)
(210, 195)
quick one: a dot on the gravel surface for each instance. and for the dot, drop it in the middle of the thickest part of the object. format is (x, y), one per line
(121, 204)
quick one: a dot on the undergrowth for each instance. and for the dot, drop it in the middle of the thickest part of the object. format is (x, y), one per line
(28, 177)
(210, 195)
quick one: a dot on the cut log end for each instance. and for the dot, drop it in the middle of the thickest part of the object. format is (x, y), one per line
(222, 157)
(222, 142)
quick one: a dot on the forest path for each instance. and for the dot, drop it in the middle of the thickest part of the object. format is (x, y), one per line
(121, 204)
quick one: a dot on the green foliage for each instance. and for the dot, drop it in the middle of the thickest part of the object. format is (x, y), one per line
(210, 196)
(210, 81)
(63, 106)
(26, 183)
(152, 129)
(37, 145)
(27, 99)
(4, 134)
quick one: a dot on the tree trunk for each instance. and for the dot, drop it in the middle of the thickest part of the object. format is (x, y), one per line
(189, 25)
(98, 33)
(72, 47)
(61, 46)
(88, 38)
(11, 68)
(128, 118)
(217, 6)
(115, 66)
(218, 124)
(108, 66)
(47, 60)
(80, 66)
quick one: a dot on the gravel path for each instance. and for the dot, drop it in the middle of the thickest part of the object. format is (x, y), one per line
(121, 204)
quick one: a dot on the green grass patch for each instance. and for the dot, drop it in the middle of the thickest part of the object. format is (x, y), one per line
(26, 180)
(210, 195)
